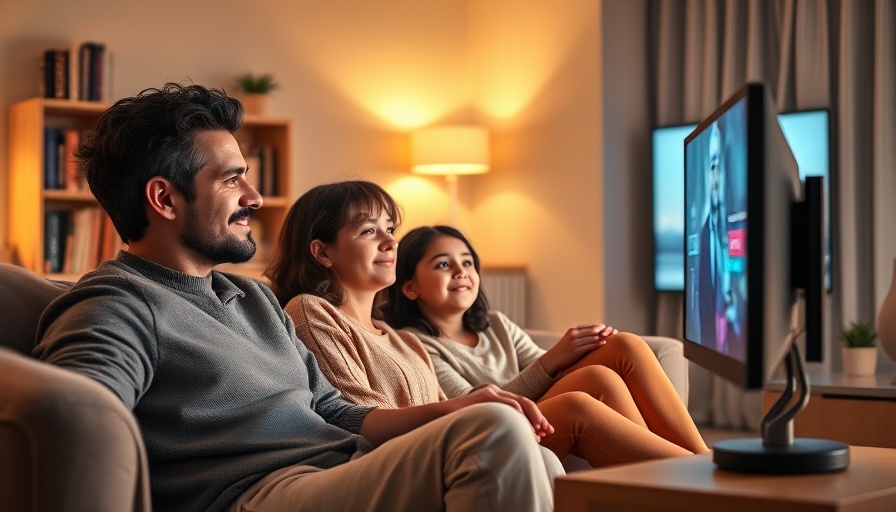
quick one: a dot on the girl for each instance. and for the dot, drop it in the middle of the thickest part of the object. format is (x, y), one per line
(604, 392)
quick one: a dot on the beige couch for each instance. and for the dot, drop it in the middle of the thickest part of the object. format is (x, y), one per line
(68, 444)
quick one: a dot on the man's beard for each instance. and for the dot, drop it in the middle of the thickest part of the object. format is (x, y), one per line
(225, 248)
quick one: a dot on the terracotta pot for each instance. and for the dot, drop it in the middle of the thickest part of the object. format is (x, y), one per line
(886, 319)
(255, 104)
(859, 361)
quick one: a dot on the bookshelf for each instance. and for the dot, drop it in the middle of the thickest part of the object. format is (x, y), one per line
(31, 203)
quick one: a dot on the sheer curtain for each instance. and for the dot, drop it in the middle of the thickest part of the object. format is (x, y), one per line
(836, 54)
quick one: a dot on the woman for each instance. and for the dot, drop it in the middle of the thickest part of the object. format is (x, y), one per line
(604, 392)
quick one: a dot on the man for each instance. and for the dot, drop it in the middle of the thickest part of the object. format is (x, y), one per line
(234, 410)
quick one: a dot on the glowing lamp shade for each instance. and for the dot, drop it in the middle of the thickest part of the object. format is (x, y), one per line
(450, 150)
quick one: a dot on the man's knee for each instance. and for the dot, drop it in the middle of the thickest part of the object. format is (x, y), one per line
(494, 417)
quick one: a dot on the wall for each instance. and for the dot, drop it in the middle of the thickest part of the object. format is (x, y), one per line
(539, 83)
(356, 76)
(628, 192)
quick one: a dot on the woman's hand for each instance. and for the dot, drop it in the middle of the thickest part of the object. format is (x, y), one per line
(492, 393)
(575, 343)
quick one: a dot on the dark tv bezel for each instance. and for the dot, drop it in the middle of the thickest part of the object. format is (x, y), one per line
(750, 372)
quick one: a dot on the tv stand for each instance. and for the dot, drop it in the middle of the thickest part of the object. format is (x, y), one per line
(854, 410)
(777, 452)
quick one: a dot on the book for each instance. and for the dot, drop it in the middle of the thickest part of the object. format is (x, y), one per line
(269, 170)
(97, 55)
(60, 159)
(47, 82)
(84, 73)
(60, 74)
(55, 231)
(74, 71)
(51, 155)
(73, 180)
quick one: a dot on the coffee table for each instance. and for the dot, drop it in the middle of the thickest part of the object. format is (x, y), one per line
(693, 484)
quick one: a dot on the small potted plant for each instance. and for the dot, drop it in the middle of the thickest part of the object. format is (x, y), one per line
(859, 349)
(254, 91)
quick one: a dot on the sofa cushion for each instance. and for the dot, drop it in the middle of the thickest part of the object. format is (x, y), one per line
(23, 297)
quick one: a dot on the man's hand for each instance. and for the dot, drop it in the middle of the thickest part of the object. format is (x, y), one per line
(492, 393)
(382, 424)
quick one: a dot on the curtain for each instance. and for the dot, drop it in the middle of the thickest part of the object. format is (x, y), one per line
(835, 54)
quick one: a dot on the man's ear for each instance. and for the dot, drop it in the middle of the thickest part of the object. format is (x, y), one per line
(162, 197)
(409, 289)
(319, 251)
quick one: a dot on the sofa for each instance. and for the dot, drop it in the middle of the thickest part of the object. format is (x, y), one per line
(68, 443)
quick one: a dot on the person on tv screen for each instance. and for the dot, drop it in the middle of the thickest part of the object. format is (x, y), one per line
(717, 298)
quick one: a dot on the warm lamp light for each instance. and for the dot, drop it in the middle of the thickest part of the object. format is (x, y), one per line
(450, 151)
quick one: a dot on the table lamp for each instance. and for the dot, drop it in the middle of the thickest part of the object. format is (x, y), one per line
(450, 151)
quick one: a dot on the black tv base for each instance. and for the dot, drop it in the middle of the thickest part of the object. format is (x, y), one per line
(803, 456)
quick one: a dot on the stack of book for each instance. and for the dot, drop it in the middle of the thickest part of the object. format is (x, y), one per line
(81, 72)
(76, 241)
(60, 167)
(262, 164)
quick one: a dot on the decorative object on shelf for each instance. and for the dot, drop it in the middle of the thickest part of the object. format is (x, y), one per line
(886, 319)
(450, 151)
(254, 91)
(859, 350)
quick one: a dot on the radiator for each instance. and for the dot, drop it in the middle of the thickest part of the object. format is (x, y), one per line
(506, 290)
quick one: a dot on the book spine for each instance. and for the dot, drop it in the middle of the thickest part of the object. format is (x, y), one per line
(49, 90)
(72, 179)
(51, 173)
(74, 70)
(60, 74)
(54, 232)
(97, 53)
(84, 73)
(60, 159)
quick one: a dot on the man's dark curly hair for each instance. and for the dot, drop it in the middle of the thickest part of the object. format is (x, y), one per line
(151, 134)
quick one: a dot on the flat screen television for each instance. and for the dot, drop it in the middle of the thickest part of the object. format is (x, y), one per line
(754, 273)
(808, 134)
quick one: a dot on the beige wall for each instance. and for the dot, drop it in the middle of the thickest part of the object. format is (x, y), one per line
(539, 85)
(357, 76)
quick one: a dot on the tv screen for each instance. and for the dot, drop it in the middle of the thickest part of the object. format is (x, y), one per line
(808, 134)
(746, 250)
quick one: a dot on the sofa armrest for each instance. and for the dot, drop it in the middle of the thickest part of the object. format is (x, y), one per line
(669, 352)
(68, 443)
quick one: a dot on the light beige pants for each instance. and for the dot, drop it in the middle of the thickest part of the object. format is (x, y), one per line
(483, 457)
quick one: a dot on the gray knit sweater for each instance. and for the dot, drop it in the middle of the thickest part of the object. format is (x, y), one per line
(222, 389)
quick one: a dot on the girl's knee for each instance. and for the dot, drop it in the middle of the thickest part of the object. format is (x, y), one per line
(598, 381)
(576, 403)
(625, 346)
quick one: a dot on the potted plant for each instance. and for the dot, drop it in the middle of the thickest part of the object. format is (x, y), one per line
(254, 91)
(859, 349)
